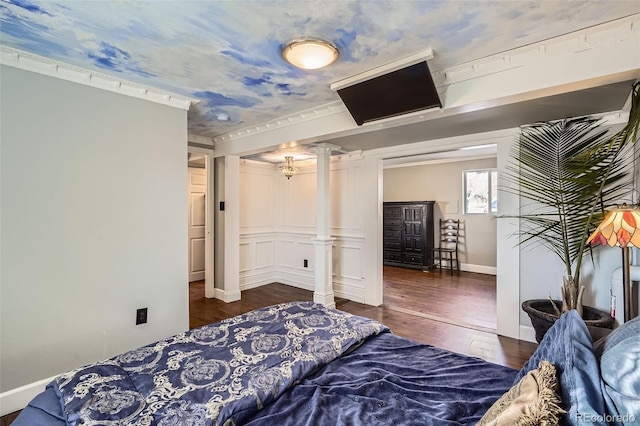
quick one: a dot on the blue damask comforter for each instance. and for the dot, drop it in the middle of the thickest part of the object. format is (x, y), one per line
(294, 363)
(391, 381)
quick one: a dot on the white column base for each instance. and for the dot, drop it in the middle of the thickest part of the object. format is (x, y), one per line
(324, 272)
(227, 296)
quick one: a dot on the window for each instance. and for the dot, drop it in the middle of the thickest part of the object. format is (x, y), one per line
(481, 191)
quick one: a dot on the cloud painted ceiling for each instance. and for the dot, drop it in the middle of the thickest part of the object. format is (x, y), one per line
(227, 53)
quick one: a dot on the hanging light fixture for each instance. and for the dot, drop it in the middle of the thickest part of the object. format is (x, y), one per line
(310, 53)
(288, 169)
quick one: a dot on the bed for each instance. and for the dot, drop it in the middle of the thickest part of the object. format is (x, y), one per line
(301, 363)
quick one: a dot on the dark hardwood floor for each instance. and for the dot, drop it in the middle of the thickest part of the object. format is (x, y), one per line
(451, 312)
(454, 312)
(464, 298)
(8, 419)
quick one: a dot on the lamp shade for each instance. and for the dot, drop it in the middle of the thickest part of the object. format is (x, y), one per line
(620, 227)
(310, 53)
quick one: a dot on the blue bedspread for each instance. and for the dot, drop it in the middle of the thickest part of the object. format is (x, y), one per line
(290, 364)
(216, 374)
(392, 381)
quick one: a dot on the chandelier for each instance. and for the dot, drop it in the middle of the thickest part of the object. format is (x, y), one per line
(288, 169)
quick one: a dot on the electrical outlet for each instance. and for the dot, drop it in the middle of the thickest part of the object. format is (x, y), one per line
(306, 263)
(141, 316)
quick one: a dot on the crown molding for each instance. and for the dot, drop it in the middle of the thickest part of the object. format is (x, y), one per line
(599, 36)
(578, 41)
(326, 110)
(29, 62)
(197, 139)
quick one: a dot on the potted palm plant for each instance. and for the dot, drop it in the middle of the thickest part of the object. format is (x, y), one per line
(572, 171)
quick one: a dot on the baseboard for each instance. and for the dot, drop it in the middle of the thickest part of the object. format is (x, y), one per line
(226, 296)
(18, 398)
(305, 282)
(297, 284)
(257, 280)
(528, 334)
(480, 269)
(255, 284)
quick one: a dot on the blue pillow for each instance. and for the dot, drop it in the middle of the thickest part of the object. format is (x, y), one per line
(568, 346)
(619, 358)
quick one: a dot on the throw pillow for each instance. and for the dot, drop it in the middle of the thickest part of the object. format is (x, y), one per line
(619, 358)
(530, 402)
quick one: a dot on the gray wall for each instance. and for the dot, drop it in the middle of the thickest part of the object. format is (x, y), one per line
(93, 224)
(442, 182)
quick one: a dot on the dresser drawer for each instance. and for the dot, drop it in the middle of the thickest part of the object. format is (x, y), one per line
(391, 245)
(392, 256)
(413, 258)
(393, 222)
(392, 211)
(392, 233)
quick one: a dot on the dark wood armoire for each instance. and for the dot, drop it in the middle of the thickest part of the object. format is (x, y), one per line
(408, 234)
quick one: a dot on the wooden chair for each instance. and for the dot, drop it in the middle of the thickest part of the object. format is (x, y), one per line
(447, 250)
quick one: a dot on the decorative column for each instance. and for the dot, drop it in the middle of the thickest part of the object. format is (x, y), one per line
(323, 242)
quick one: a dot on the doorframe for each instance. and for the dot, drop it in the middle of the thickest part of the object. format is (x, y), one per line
(209, 250)
(508, 257)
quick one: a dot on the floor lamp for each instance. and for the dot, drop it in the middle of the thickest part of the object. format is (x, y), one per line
(621, 227)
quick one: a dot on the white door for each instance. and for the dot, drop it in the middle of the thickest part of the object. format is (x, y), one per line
(197, 191)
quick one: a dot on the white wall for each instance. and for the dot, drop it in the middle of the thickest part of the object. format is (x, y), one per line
(278, 223)
(259, 204)
(93, 225)
(442, 182)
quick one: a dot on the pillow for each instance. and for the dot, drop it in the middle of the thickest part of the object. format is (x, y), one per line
(568, 346)
(532, 401)
(619, 358)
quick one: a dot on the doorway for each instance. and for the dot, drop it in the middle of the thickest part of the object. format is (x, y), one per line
(466, 298)
(196, 205)
(200, 210)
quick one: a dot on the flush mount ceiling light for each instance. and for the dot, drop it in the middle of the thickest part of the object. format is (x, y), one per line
(310, 53)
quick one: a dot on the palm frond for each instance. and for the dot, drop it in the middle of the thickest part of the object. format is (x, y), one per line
(571, 170)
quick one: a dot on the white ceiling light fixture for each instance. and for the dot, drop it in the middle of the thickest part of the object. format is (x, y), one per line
(310, 53)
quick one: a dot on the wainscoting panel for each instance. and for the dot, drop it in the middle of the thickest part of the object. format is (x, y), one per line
(348, 262)
(264, 254)
(257, 259)
(293, 250)
(245, 257)
(286, 254)
(347, 268)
